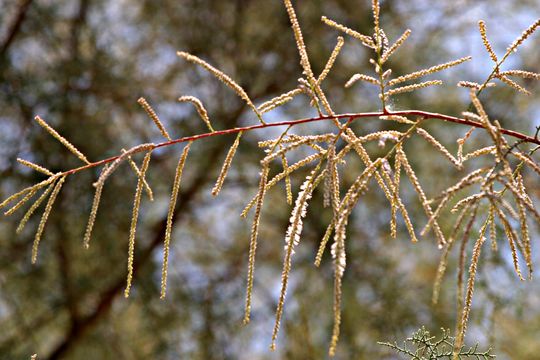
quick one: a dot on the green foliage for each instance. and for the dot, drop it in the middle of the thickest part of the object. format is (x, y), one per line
(423, 346)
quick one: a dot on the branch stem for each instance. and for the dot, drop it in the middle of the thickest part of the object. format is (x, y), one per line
(351, 116)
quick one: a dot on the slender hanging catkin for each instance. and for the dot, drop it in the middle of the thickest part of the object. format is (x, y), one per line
(93, 212)
(253, 239)
(134, 218)
(45, 216)
(226, 165)
(170, 214)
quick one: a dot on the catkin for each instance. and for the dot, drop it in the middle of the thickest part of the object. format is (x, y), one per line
(170, 214)
(135, 168)
(366, 40)
(395, 198)
(278, 101)
(438, 146)
(470, 289)
(134, 218)
(35, 167)
(397, 118)
(292, 239)
(525, 238)
(152, 114)
(362, 77)
(492, 228)
(361, 151)
(304, 60)
(464, 182)
(479, 152)
(253, 240)
(226, 166)
(61, 139)
(322, 245)
(469, 84)
(223, 78)
(388, 52)
(338, 248)
(288, 187)
(487, 45)
(428, 71)
(413, 87)
(294, 138)
(21, 202)
(331, 60)
(93, 213)
(528, 32)
(528, 161)
(422, 196)
(513, 84)
(33, 208)
(511, 240)
(376, 12)
(203, 114)
(45, 216)
(522, 74)
(27, 190)
(281, 176)
(125, 154)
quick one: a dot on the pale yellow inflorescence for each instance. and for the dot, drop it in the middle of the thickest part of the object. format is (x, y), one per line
(61, 139)
(422, 196)
(277, 178)
(522, 74)
(470, 286)
(152, 114)
(397, 118)
(134, 218)
(513, 84)
(20, 203)
(439, 147)
(412, 87)
(223, 78)
(278, 101)
(33, 208)
(366, 40)
(428, 71)
(362, 77)
(331, 60)
(524, 35)
(170, 214)
(135, 168)
(226, 165)
(93, 213)
(288, 186)
(45, 216)
(201, 110)
(487, 44)
(292, 239)
(396, 45)
(253, 239)
(35, 167)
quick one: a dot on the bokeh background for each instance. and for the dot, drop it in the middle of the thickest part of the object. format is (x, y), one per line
(82, 65)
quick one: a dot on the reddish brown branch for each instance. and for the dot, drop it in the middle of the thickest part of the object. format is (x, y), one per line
(424, 114)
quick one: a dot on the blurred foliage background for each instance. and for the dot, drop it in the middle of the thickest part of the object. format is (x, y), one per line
(81, 65)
